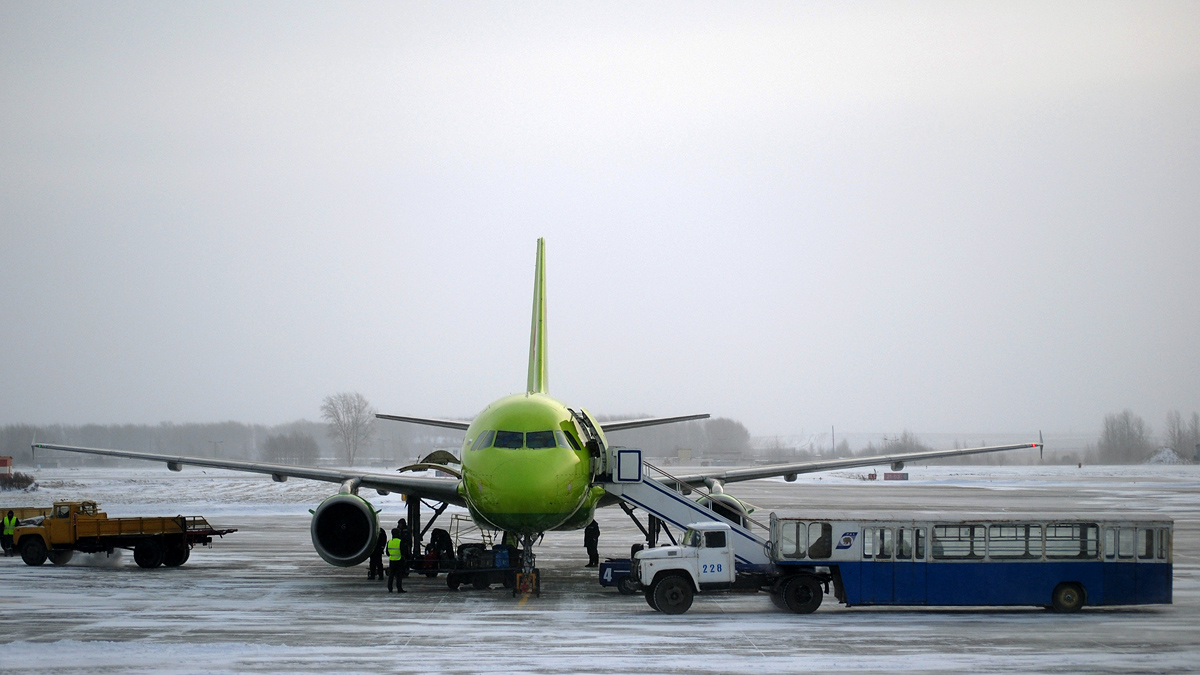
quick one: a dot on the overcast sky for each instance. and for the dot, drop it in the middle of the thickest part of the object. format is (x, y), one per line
(935, 217)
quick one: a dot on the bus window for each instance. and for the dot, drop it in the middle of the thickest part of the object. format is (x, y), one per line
(1015, 541)
(793, 539)
(821, 536)
(885, 543)
(868, 542)
(1071, 541)
(1145, 543)
(1110, 543)
(903, 543)
(957, 541)
(877, 542)
(1125, 542)
(1164, 543)
(920, 532)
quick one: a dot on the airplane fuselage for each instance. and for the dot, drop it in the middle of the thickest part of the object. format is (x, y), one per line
(524, 467)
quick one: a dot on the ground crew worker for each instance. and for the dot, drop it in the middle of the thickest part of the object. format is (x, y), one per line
(10, 527)
(591, 540)
(405, 545)
(395, 553)
(376, 564)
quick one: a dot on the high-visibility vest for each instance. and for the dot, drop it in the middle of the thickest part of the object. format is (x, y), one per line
(394, 550)
(10, 524)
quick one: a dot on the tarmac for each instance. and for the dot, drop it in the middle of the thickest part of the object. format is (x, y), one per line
(261, 600)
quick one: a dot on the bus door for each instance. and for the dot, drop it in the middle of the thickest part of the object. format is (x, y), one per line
(878, 568)
(1120, 573)
(1153, 574)
(909, 580)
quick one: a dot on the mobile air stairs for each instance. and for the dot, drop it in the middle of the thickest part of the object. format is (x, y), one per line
(667, 501)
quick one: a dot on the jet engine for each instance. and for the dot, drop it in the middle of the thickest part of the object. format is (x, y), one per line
(730, 507)
(344, 529)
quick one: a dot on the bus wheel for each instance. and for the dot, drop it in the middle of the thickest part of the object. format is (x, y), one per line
(1067, 598)
(148, 554)
(673, 595)
(33, 551)
(60, 557)
(627, 585)
(802, 594)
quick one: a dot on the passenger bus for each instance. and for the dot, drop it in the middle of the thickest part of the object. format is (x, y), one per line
(1058, 562)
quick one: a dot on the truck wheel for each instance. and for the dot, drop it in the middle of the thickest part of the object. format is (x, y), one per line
(627, 585)
(1067, 598)
(60, 557)
(33, 551)
(802, 594)
(148, 554)
(673, 595)
(777, 600)
(177, 555)
(650, 596)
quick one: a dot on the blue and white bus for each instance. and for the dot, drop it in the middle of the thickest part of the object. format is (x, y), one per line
(1058, 562)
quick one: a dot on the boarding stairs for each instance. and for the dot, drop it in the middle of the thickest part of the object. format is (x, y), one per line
(643, 485)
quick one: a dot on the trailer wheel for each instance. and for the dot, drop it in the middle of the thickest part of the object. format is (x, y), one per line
(627, 585)
(1067, 598)
(177, 555)
(481, 582)
(452, 581)
(673, 595)
(148, 554)
(802, 594)
(33, 551)
(60, 557)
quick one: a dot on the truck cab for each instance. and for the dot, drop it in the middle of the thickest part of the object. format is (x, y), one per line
(671, 575)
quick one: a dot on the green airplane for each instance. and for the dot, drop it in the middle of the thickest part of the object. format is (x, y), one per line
(529, 464)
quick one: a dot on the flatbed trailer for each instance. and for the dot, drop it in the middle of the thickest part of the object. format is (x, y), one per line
(67, 527)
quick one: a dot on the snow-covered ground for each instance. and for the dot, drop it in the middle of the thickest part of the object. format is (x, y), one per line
(262, 601)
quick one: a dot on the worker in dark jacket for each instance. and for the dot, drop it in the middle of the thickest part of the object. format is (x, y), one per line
(395, 554)
(10, 528)
(591, 539)
(376, 564)
(405, 545)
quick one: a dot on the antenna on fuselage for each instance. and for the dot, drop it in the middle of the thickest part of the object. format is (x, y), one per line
(538, 370)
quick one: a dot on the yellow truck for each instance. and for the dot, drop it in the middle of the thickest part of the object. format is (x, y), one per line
(55, 534)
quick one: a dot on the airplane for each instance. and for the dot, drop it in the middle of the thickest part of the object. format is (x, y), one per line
(529, 464)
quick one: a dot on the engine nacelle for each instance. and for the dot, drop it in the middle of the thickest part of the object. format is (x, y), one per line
(897, 466)
(729, 507)
(344, 530)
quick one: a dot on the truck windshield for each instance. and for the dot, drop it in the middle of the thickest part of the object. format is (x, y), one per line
(691, 538)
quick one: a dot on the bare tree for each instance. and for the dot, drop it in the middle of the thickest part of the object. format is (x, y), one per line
(351, 421)
(1125, 439)
(1184, 439)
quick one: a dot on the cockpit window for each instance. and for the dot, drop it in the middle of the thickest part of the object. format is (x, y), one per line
(565, 440)
(510, 439)
(484, 440)
(540, 439)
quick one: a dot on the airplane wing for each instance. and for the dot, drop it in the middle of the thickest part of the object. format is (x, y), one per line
(448, 424)
(610, 427)
(898, 460)
(440, 489)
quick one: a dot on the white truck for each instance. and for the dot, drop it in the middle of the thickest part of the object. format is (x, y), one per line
(705, 561)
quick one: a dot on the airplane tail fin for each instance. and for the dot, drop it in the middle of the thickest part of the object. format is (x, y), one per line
(538, 370)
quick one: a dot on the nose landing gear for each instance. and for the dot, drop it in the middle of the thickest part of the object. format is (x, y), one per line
(529, 578)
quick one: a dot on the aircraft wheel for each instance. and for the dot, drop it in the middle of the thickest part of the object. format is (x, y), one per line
(60, 557)
(802, 594)
(627, 585)
(1067, 598)
(673, 595)
(33, 551)
(148, 554)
